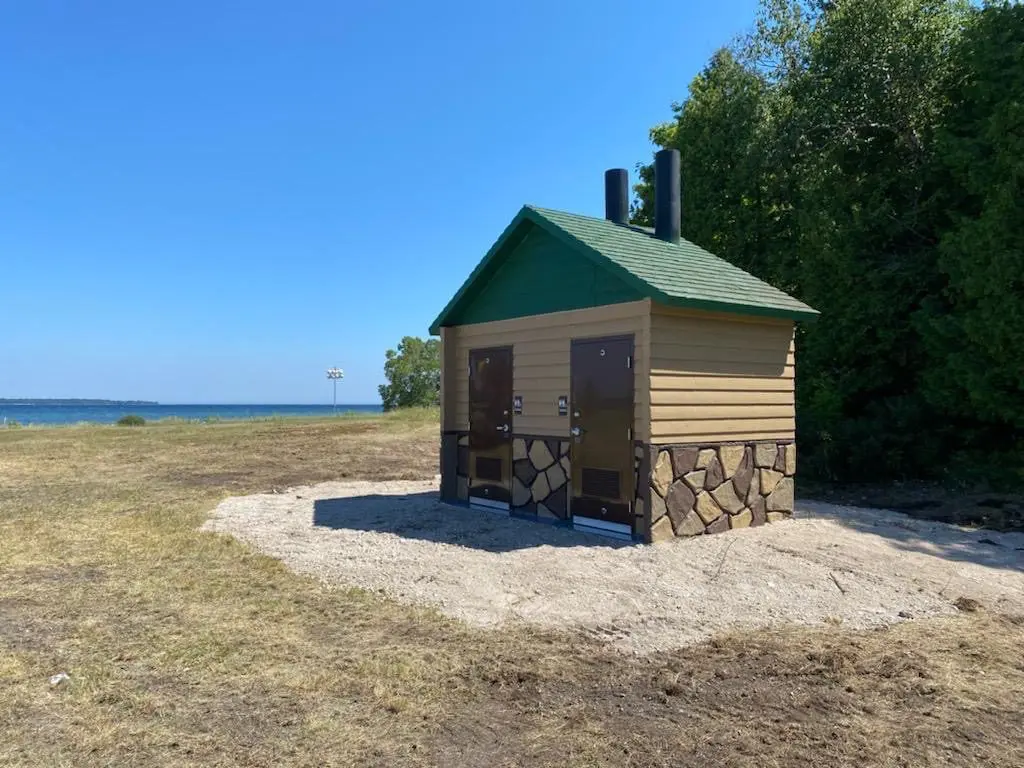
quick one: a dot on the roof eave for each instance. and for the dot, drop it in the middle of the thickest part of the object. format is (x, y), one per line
(782, 313)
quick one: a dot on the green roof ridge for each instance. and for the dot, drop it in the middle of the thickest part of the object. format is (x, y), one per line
(682, 275)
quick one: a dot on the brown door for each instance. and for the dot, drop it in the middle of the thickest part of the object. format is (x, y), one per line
(601, 423)
(490, 426)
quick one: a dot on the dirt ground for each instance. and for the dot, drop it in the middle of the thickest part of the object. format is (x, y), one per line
(969, 506)
(188, 648)
(861, 568)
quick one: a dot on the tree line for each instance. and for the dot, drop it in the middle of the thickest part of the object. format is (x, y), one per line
(867, 156)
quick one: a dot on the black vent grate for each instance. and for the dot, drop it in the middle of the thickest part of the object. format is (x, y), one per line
(603, 483)
(488, 468)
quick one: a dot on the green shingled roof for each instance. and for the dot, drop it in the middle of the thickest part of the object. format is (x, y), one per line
(682, 275)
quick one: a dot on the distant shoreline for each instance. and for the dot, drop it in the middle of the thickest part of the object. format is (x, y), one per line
(38, 412)
(170, 421)
(43, 401)
(72, 401)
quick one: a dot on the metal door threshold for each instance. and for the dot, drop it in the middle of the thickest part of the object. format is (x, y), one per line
(603, 528)
(497, 507)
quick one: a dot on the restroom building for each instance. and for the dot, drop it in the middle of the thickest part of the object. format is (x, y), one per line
(617, 378)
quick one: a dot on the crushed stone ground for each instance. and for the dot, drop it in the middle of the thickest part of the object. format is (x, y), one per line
(860, 567)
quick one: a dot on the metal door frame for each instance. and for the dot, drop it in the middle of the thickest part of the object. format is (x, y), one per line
(506, 482)
(594, 525)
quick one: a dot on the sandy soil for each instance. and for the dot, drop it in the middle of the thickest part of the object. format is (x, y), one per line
(860, 567)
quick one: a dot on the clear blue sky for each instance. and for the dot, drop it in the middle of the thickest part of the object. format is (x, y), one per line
(215, 201)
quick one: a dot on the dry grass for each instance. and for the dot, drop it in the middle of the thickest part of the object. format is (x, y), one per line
(185, 648)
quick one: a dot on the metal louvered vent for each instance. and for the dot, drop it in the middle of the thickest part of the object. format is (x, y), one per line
(488, 468)
(600, 482)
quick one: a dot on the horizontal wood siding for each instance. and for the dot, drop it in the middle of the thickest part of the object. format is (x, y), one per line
(448, 388)
(720, 378)
(540, 361)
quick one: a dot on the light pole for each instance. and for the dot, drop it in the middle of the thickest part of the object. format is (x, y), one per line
(334, 374)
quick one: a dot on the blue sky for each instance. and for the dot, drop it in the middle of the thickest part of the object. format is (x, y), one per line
(215, 201)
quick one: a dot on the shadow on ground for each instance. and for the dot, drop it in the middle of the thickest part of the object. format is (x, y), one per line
(423, 516)
(980, 546)
(927, 501)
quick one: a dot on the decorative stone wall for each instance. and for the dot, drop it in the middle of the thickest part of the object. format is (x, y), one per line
(540, 477)
(540, 474)
(681, 490)
(698, 489)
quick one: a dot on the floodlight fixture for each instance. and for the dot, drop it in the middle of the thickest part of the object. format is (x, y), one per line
(334, 374)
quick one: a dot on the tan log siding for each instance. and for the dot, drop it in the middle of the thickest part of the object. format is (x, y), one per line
(448, 391)
(541, 361)
(717, 378)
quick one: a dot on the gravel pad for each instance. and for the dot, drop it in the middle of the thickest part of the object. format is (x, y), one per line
(859, 567)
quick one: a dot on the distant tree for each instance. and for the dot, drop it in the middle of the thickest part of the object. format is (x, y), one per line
(413, 373)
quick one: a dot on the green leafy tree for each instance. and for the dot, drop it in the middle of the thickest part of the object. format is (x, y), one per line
(413, 372)
(976, 327)
(715, 131)
(865, 155)
(867, 107)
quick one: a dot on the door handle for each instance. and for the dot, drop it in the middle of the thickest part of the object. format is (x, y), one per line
(503, 428)
(575, 431)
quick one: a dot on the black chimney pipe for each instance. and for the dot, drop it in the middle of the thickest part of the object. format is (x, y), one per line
(668, 209)
(616, 195)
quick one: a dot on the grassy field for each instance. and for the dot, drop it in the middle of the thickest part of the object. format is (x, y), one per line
(185, 648)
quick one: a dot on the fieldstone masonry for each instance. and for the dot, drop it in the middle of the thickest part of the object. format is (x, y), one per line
(540, 477)
(540, 474)
(680, 490)
(706, 489)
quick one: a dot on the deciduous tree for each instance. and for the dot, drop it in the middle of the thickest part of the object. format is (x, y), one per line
(413, 372)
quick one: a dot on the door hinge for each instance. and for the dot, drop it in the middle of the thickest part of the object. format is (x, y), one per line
(629, 432)
(629, 361)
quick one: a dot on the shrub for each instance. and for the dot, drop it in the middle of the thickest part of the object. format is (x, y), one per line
(131, 420)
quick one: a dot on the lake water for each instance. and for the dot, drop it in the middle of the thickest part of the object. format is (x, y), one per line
(109, 413)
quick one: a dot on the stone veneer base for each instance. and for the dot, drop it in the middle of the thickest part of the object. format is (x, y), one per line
(698, 488)
(680, 490)
(541, 475)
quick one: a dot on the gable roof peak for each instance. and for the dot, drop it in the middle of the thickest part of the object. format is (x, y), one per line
(678, 274)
